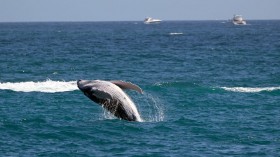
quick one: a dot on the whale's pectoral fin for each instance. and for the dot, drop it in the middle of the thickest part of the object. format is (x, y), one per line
(127, 85)
(101, 94)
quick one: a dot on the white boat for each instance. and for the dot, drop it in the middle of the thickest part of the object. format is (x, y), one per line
(150, 20)
(238, 20)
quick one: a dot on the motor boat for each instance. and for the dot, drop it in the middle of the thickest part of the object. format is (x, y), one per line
(150, 20)
(238, 20)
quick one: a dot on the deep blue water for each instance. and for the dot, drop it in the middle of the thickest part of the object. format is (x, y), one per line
(210, 88)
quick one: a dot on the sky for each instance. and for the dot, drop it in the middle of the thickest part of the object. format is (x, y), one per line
(135, 10)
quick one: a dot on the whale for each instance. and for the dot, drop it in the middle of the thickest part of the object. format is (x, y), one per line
(111, 96)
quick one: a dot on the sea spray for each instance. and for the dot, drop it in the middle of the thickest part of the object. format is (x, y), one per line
(107, 115)
(150, 108)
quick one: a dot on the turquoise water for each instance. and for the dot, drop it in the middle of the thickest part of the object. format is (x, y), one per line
(210, 88)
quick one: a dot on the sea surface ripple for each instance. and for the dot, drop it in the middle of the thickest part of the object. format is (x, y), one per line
(210, 88)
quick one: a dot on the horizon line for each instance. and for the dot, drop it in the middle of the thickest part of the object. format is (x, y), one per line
(72, 21)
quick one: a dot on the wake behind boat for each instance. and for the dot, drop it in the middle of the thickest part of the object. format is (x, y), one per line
(238, 20)
(150, 20)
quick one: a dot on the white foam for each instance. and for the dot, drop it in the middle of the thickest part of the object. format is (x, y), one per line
(47, 86)
(250, 89)
(176, 33)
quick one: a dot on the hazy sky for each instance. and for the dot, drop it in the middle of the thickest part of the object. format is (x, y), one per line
(135, 10)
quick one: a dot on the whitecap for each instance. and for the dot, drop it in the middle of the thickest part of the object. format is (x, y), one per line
(250, 89)
(176, 33)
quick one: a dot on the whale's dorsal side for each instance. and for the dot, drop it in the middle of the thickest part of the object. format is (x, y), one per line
(127, 85)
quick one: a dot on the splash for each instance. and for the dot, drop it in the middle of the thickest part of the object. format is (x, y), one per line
(151, 109)
(107, 115)
(250, 89)
(47, 86)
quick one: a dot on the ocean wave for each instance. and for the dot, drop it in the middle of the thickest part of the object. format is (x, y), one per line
(176, 33)
(202, 88)
(48, 86)
(250, 89)
(175, 84)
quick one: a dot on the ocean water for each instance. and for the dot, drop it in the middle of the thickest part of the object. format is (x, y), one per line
(210, 88)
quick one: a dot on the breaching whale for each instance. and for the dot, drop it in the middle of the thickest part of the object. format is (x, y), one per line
(110, 95)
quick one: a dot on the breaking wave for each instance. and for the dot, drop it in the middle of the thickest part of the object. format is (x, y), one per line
(47, 86)
(202, 88)
(175, 33)
(250, 89)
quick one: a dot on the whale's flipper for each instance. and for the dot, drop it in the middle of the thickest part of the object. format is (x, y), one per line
(101, 93)
(127, 85)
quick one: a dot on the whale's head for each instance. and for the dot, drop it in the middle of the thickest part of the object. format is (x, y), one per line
(94, 89)
(85, 85)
